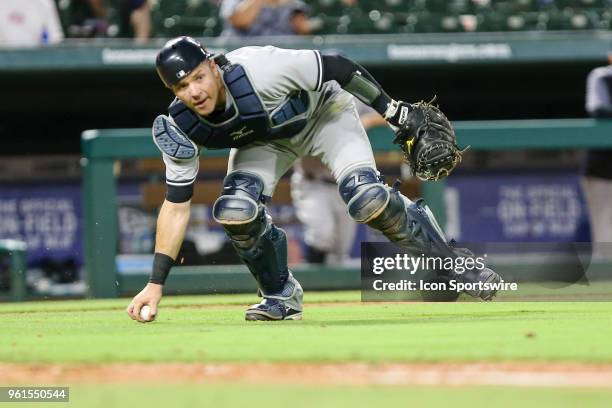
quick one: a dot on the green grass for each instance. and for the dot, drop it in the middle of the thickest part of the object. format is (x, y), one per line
(212, 329)
(240, 395)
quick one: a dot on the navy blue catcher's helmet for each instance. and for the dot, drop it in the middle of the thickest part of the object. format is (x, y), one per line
(178, 58)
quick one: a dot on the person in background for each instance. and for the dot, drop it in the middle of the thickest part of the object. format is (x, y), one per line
(598, 174)
(329, 231)
(135, 19)
(88, 19)
(248, 18)
(30, 23)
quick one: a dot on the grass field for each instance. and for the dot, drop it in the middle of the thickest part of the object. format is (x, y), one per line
(307, 397)
(337, 329)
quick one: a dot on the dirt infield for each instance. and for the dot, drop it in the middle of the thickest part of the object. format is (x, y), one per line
(467, 374)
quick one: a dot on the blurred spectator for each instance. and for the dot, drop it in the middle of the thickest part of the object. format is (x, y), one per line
(598, 175)
(29, 23)
(88, 18)
(134, 19)
(245, 18)
(329, 231)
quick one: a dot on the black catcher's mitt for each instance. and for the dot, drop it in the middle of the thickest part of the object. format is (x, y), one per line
(428, 141)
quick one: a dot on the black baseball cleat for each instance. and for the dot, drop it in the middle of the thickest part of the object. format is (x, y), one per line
(272, 310)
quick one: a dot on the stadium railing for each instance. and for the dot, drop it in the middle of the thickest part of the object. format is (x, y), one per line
(101, 148)
(15, 251)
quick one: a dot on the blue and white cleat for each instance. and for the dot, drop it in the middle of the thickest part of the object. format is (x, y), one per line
(272, 309)
(286, 305)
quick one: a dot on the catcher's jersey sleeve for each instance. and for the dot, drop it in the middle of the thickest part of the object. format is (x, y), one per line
(277, 72)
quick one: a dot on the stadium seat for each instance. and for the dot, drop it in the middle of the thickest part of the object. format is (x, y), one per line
(605, 20)
(521, 6)
(576, 4)
(328, 7)
(457, 7)
(524, 22)
(172, 7)
(583, 21)
(323, 24)
(436, 6)
(395, 6)
(503, 7)
(382, 23)
(565, 20)
(200, 8)
(200, 17)
(451, 24)
(491, 22)
(423, 22)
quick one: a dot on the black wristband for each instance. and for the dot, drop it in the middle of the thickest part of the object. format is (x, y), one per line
(161, 268)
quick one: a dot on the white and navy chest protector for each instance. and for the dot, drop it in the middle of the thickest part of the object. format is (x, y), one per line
(250, 121)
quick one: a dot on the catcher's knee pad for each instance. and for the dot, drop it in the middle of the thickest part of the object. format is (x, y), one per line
(383, 208)
(261, 245)
(364, 194)
(239, 208)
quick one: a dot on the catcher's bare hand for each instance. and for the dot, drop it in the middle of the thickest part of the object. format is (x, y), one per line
(150, 295)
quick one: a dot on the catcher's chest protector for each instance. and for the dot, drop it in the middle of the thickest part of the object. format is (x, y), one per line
(250, 121)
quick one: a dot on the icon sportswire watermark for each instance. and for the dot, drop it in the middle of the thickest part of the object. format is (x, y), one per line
(527, 271)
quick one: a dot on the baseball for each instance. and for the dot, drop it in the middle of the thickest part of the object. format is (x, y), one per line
(145, 313)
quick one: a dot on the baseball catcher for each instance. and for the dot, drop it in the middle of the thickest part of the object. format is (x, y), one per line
(272, 106)
(426, 138)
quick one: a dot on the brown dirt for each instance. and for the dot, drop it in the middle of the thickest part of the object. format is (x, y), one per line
(456, 374)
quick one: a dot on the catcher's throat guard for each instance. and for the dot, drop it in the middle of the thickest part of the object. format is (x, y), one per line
(172, 141)
(250, 121)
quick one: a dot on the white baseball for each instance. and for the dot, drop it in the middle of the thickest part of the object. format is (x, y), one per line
(145, 313)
